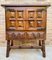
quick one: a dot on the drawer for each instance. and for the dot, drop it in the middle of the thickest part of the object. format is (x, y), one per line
(35, 25)
(26, 25)
(15, 13)
(36, 13)
(15, 35)
(15, 25)
(25, 35)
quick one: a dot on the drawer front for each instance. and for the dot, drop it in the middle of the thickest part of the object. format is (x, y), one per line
(14, 18)
(25, 35)
(15, 13)
(26, 18)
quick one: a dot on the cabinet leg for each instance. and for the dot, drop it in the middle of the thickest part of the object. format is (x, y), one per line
(40, 43)
(43, 48)
(8, 48)
(11, 42)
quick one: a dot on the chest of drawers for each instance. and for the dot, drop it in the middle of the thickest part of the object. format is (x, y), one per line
(26, 23)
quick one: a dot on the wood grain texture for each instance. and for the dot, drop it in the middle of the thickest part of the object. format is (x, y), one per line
(30, 22)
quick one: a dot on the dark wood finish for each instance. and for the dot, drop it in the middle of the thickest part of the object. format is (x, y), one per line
(27, 5)
(40, 43)
(11, 42)
(8, 48)
(21, 47)
(43, 48)
(25, 23)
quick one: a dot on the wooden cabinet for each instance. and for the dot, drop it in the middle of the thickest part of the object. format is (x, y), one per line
(26, 22)
(26, 19)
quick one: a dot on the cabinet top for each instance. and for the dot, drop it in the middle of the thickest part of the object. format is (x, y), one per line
(26, 5)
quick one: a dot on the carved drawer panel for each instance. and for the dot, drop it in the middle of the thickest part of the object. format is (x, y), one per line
(15, 35)
(31, 15)
(40, 24)
(30, 25)
(36, 35)
(20, 25)
(20, 14)
(40, 14)
(11, 25)
(25, 35)
(11, 14)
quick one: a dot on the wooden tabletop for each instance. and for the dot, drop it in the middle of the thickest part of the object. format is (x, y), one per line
(26, 5)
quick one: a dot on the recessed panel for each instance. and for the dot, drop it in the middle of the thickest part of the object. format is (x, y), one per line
(11, 13)
(31, 23)
(30, 15)
(20, 25)
(20, 14)
(39, 23)
(39, 13)
(12, 25)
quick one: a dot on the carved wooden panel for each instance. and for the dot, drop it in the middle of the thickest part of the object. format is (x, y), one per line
(26, 35)
(40, 14)
(11, 14)
(31, 24)
(20, 25)
(20, 14)
(30, 15)
(26, 19)
(39, 23)
(12, 25)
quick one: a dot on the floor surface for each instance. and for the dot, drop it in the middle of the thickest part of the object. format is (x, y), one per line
(26, 54)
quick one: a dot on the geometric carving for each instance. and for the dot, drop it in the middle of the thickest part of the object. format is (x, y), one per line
(31, 23)
(42, 36)
(20, 14)
(20, 23)
(30, 14)
(12, 13)
(39, 23)
(39, 13)
(12, 23)
(26, 35)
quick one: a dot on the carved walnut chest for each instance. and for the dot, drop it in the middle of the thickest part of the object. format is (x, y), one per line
(26, 23)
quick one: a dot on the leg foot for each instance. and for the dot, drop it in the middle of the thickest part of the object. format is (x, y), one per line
(8, 48)
(43, 48)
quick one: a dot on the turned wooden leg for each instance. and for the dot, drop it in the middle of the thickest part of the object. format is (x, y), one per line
(8, 48)
(40, 43)
(43, 48)
(11, 42)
